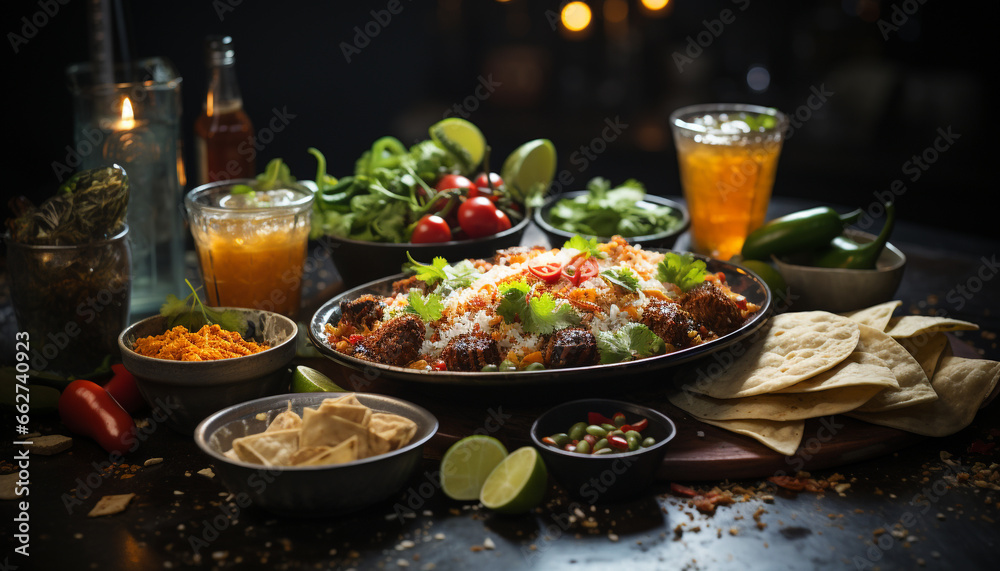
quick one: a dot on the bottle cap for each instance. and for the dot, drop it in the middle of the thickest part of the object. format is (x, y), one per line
(219, 50)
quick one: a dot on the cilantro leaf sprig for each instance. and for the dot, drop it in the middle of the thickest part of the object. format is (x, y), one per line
(622, 277)
(540, 314)
(587, 247)
(683, 270)
(629, 342)
(193, 314)
(452, 277)
(428, 308)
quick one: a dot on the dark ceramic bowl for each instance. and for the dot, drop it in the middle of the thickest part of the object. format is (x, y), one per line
(360, 262)
(311, 491)
(666, 239)
(188, 391)
(838, 290)
(602, 478)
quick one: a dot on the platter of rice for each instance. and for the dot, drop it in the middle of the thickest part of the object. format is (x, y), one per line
(527, 315)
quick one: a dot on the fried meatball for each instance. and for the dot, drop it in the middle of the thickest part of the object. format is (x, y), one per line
(711, 307)
(573, 347)
(471, 352)
(365, 311)
(397, 342)
(671, 323)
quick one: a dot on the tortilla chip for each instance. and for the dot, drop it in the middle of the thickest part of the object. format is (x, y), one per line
(782, 437)
(877, 316)
(346, 451)
(398, 430)
(285, 420)
(358, 413)
(914, 385)
(912, 325)
(346, 398)
(267, 448)
(110, 505)
(781, 407)
(795, 346)
(961, 384)
(320, 429)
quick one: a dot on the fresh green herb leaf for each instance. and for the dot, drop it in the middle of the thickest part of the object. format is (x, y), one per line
(429, 307)
(587, 247)
(542, 314)
(193, 314)
(683, 270)
(606, 210)
(429, 273)
(628, 342)
(451, 277)
(622, 277)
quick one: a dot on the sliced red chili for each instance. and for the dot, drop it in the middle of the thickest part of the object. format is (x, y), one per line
(355, 339)
(639, 426)
(617, 442)
(439, 365)
(680, 490)
(580, 269)
(597, 418)
(548, 272)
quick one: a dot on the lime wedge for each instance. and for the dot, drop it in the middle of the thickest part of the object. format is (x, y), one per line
(467, 463)
(529, 170)
(517, 484)
(462, 139)
(309, 380)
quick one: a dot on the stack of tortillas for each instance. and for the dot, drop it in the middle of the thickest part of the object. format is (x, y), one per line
(892, 371)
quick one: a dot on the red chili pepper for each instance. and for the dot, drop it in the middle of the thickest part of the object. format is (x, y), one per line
(123, 388)
(580, 269)
(639, 426)
(87, 409)
(547, 272)
(597, 418)
(618, 442)
(439, 365)
(355, 338)
(680, 490)
(548, 440)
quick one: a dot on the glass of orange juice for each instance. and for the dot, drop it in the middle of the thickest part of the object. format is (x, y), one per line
(728, 155)
(251, 245)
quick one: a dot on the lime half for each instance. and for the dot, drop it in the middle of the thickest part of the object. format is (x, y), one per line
(529, 170)
(462, 139)
(309, 380)
(467, 463)
(517, 484)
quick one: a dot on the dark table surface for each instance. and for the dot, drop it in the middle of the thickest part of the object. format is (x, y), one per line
(932, 504)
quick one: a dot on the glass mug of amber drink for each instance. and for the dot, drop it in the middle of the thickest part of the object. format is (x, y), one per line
(251, 244)
(728, 155)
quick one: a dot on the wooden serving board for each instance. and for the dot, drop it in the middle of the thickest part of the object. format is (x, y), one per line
(699, 452)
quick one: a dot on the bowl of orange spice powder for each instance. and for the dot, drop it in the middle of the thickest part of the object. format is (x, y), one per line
(186, 376)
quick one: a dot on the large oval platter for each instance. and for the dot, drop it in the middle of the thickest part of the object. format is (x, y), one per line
(740, 280)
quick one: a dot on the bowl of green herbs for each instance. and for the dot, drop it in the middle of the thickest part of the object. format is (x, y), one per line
(604, 210)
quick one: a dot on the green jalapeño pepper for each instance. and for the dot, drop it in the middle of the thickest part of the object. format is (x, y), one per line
(801, 231)
(843, 252)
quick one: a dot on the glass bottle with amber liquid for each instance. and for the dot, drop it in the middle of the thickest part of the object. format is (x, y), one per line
(224, 135)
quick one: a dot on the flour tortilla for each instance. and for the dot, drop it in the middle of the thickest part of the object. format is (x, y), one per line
(286, 419)
(781, 407)
(267, 448)
(346, 451)
(320, 429)
(914, 384)
(794, 347)
(927, 350)
(913, 325)
(962, 385)
(876, 316)
(782, 437)
(859, 368)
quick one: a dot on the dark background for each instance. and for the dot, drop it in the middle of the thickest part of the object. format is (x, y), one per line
(896, 75)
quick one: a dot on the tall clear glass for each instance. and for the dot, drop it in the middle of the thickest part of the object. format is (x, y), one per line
(252, 247)
(136, 124)
(728, 157)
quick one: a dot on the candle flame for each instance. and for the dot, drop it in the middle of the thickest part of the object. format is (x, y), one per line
(128, 115)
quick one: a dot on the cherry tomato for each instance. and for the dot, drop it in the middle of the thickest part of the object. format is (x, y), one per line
(431, 228)
(481, 187)
(450, 181)
(547, 272)
(477, 217)
(503, 223)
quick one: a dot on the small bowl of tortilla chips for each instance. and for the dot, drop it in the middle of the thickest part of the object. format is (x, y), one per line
(316, 454)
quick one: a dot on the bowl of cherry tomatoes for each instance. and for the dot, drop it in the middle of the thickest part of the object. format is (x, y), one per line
(472, 218)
